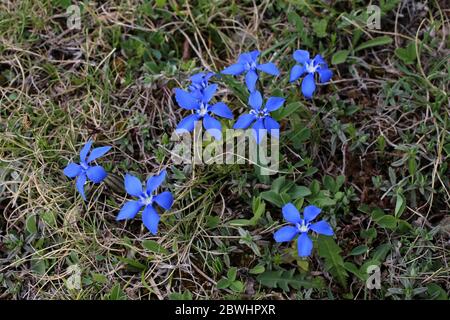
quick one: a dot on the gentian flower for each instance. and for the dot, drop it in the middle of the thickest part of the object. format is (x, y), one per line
(199, 82)
(146, 199)
(302, 226)
(202, 110)
(310, 67)
(260, 116)
(248, 63)
(84, 171)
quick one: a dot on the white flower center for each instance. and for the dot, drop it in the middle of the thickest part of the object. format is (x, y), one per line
(310, 67)
(203, 110)
(303, 227)
(147, 199)
(251, 66)
(259, 113)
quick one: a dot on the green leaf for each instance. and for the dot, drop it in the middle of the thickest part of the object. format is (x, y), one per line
(237, 286)
(117, 293)
(379, 41)
(359, 250)
(436, 292)
(287, 279)
(132, 264)
(38, 265)
(155, 247)
(381, 252)
(400, 205)
(351, 267)
(99, 278)
(329, 250)
(278, 199)
(278, 183)
(223, 283)
(340, 57)
(299, 192)
(31, 224)
(257, 269)
(387, 221)
(320, 27)
(160, 3)
(407, 55)
(186, 295)
(286, 111)
(240, 222)
(49, 217)
(231, 274)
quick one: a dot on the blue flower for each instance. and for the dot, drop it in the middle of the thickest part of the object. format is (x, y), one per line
(302, 226)
(248, 62)
(146, 199)
(202, 110)
(84, 171)
(260, 116)
(310, 67)
(199, 82)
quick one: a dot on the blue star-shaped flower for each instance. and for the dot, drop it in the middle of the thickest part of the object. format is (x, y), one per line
(202, 110)
(84, 171)
(302, 226)
(260, 116)
(199, 82)
(310, 67)
(248, 63)
(146, 199)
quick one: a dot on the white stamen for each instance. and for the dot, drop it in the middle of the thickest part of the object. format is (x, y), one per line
(203, 110)
(303, 227)
(310, 67)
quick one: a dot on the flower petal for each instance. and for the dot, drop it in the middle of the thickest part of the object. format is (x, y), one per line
(259, 131)
(155, 181)
(273, 103)
(96, 174)
(185, 99)
(296, 72)
(308, 85)
(133, 185)
(285, 234)
(248, 57)
(301, 56)
(197, 78)
(319, 60)
(291, 214)
(84, 151)
(222, 110)
(325, 74)
(97, 153)
(254, 55)
(272, 127)
(81, 180)
(209, 92)
(212, 126)
(244, 121)
(250, 80)
(322, 227)
(310, 213)
(129, 210)
(269, 68)
(255, 100)
(164, 200)
(304, 245)
(150, 218)
(187, 124)
(72, 170)
(234, 69)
